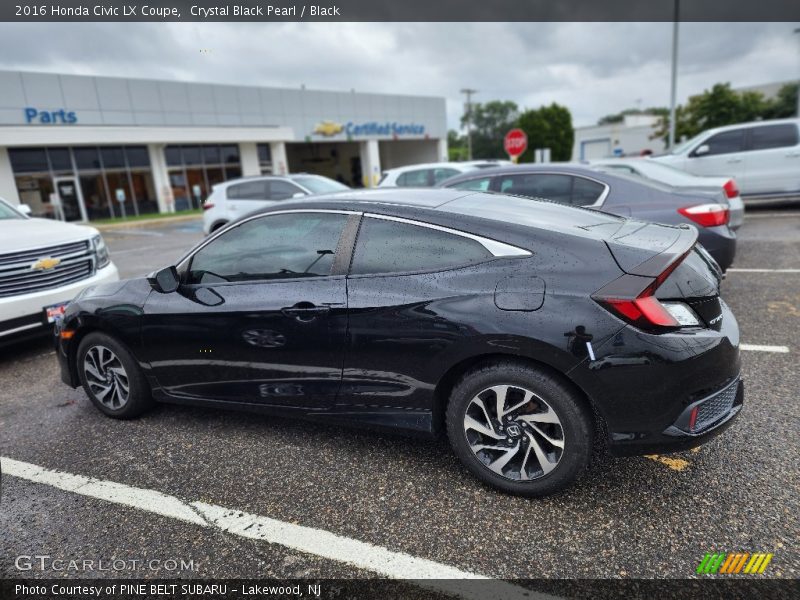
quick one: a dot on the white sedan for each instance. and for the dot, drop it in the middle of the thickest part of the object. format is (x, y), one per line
(43, 265)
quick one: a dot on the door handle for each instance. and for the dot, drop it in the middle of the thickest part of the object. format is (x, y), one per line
(305, 311)
(734, 160)
(793, 154)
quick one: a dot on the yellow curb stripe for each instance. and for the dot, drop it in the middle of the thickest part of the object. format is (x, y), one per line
(764, 564)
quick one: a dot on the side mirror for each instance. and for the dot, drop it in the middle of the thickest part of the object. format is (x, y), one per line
(701, 150)
(299, 195)
(165, 280)
(24, 209)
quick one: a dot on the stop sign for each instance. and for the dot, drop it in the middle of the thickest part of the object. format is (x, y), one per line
(515, 142)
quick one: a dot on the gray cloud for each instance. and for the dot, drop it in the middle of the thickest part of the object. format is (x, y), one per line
(593, 68)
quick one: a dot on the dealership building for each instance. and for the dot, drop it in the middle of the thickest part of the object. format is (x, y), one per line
(89, 148)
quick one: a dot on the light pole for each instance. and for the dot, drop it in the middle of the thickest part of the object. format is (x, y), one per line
(798, 84)
(674, 84)
(468, 93)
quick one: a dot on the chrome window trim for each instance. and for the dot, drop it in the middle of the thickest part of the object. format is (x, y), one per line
(223, 230)
(498, 249)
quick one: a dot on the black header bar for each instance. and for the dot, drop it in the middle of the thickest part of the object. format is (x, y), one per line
(401, 10)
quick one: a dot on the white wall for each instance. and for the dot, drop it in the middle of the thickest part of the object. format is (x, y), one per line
(400, 153)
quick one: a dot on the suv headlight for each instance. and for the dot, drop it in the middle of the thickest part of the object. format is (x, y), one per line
(100, 251)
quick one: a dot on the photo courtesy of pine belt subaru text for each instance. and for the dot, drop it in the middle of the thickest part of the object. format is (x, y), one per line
(529, 331)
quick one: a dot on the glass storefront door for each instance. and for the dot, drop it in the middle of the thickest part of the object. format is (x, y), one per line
(69, 195)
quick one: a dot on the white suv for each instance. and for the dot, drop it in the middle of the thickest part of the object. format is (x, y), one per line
(763, 156)
(233, 199)
(43, 265)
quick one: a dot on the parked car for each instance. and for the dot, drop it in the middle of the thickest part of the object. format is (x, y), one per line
(428, 175)
(616, 193)
(43, 265)
(669, 175)
(233, 199)
(523, 327)
(763, 157)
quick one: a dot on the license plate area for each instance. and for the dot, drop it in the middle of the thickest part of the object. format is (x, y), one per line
(54, 312)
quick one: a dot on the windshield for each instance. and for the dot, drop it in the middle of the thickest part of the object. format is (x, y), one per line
(681, 148)
(320, 185)
(6, 212)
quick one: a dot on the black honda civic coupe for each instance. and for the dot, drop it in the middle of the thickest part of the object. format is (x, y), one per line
(530, 331)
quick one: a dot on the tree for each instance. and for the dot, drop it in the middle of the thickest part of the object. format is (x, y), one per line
(548, 127)
(784, 105)
(490, 123)
(456, 146)
(723, 106)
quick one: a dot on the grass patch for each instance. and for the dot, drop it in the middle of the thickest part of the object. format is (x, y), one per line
(147, 217)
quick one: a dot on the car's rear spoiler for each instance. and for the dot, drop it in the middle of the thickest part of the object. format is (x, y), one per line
(648, 249)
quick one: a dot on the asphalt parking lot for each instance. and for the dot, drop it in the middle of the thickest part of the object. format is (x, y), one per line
(645, 517)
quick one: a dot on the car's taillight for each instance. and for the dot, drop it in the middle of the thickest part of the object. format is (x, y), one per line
(632, 297)
(208, 205)
(731, 189)
(706, 215)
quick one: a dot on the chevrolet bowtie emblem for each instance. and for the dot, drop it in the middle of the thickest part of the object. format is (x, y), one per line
(328, 128)
(44, 264)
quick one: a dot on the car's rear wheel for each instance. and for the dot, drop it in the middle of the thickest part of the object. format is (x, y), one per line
(111, 377)
(519, 428)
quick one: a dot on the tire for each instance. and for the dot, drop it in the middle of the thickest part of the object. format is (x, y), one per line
(516, 455)
(217, 227)
(104, 367)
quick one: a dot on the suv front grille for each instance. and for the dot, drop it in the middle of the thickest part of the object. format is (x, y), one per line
(18, 277)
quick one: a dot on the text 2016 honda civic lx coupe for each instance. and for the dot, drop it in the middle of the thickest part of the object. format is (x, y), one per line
(528, 329)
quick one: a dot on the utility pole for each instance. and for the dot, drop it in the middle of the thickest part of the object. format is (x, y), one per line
(468, 93)
(798, 85)
(673, 90)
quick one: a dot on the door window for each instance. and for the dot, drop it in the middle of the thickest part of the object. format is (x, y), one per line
(442, 174)
(725, 143)
(773, 136)
(249, 190)
(557, 188)
(281, 190)
(392, 247)
(586, 192)
(271, 247)
(419, 178)
(481, 184)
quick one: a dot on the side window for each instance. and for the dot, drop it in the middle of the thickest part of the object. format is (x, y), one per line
(442, 174)
(586, 192)
(725, 143)
(392, 247)
(419, 178)
(270, 247)
(281, 190)
(773, 136)
(481, 184)
(249, 190)
(557, 188)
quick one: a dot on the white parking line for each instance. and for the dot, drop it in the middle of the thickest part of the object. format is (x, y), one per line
(760, 348)
(763, 271)
(363, 555)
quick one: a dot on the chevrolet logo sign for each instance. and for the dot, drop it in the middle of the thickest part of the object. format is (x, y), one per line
(328, 128)
(45, 264)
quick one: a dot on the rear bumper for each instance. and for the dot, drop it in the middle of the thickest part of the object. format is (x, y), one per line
(720, 242)
(645, 386)
(680, 435)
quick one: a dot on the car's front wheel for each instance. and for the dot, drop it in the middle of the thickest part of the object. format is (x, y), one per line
(111, 377)
(519, 428)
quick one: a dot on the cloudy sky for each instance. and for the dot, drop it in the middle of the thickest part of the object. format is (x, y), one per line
(592, 68)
